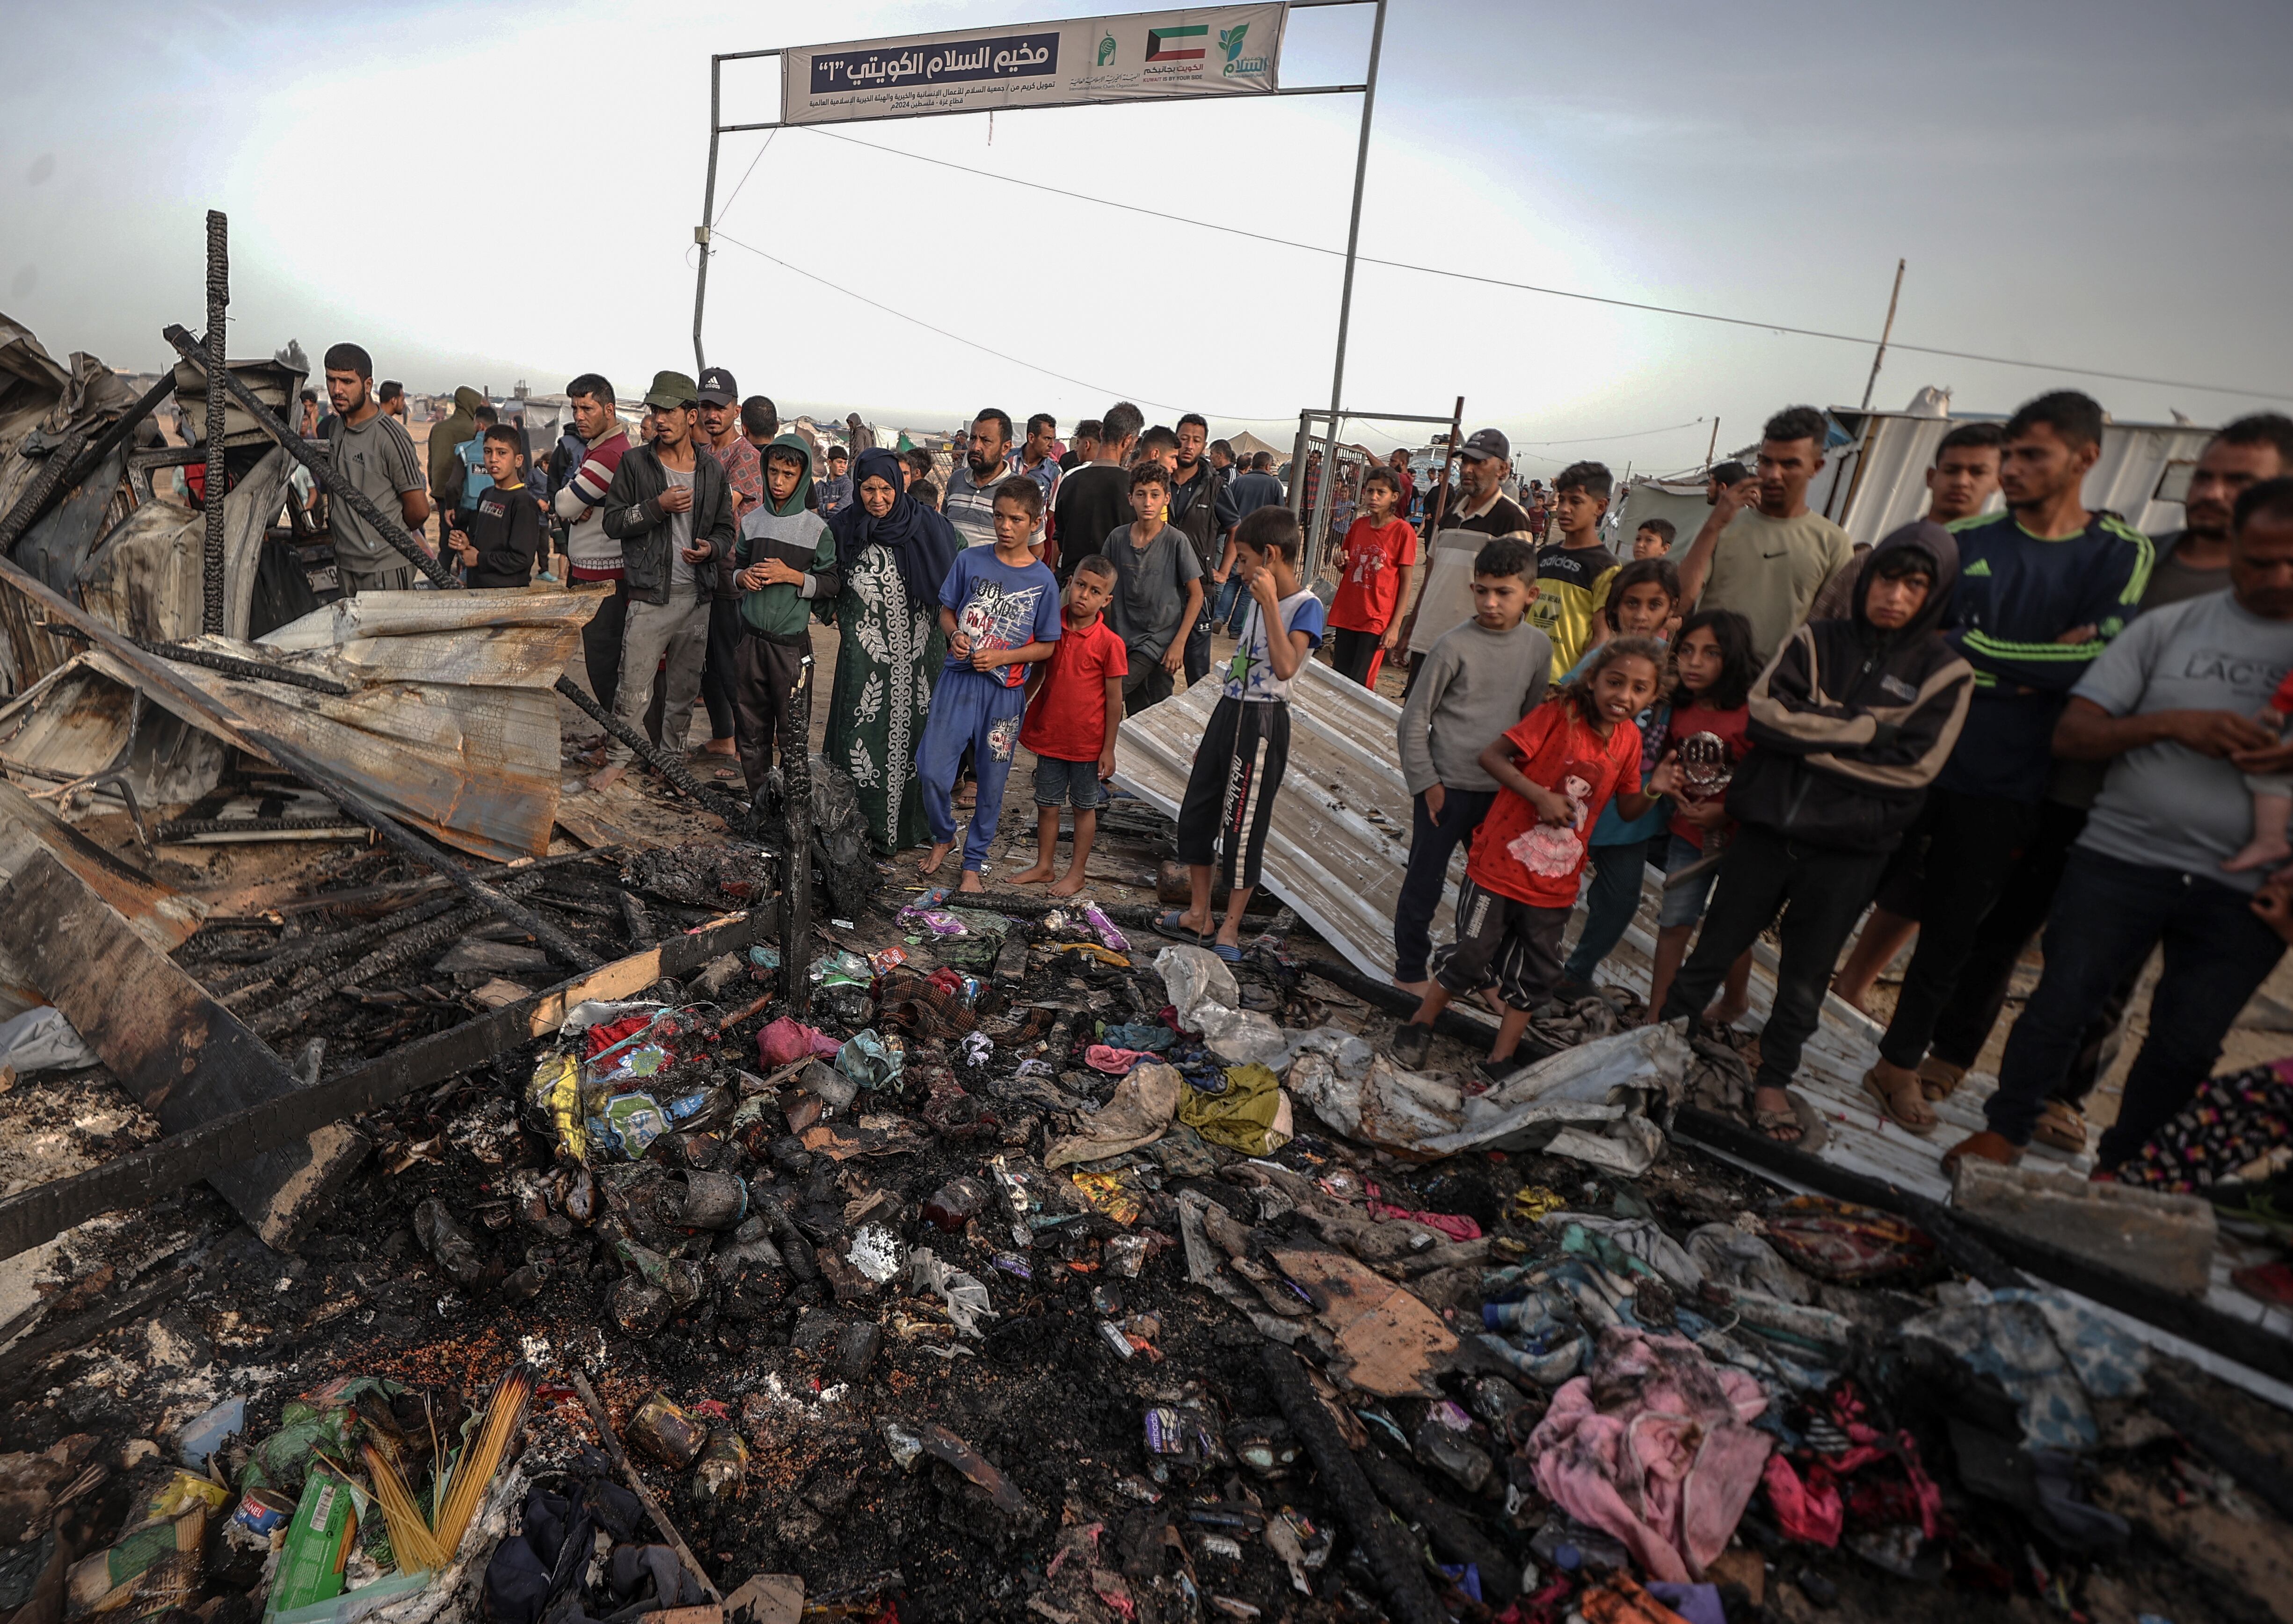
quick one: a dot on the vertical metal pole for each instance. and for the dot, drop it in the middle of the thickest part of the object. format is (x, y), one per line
(1885, 333)
(796, 886)
(1713, 449)
(1298, 471)
(210, 618)
(1346, 297)
(708, 210)
(1434, 506)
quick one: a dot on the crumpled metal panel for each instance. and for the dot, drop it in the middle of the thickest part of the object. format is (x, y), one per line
(146, 574)
(512, 638)
(1339, 841)
(78, 721)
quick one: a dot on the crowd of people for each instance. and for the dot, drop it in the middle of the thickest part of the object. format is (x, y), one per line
(1991, 727)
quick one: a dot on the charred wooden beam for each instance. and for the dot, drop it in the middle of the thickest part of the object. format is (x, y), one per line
(715, 800)
(185, 1058)
(44, 1211)
(795, 778)
(211, 553)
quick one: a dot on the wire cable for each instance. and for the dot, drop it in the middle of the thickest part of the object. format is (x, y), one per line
(1564, 293)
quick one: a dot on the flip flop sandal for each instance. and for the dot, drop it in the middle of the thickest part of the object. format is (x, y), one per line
(1894, 1108)
(1938, 1079)
(1813, 1133)
(1768, 1121)
(1169, 926)
(2061, 1126)
(1225, 950)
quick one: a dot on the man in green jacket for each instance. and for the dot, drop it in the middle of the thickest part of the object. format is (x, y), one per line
(446, 438)
(786, 560)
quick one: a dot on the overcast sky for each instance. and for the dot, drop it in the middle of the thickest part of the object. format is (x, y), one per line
(486, 193)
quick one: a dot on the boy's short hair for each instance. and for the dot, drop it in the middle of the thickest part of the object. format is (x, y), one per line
(1025, 492)
(1158, 438)
(1663, 529)
(925, 492)
(485, 415)
(1730, 473)
(594, 385)
(1088, 429)
(838, 454)
(1972, 437)
(1896, 563)
(789, 455)
(920, 460)
(1270, 530)
(1148, 473)
(1640, 572)
(1796, 423)
(759, 415)
(1098, 564)
(349, 357)
(2072, 413)
(1594, 478)
(504, 434)
(1506, 555)
(389, 389)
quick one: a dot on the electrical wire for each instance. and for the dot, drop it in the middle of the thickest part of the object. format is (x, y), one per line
(745, 174)
(969, 342)
(1564, 293)
(1670, 428)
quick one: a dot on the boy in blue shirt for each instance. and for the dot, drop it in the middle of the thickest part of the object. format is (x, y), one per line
(1000, 609)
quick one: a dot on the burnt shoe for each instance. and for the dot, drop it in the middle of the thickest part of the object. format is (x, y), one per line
(1984, 1146)
(1409, 1045)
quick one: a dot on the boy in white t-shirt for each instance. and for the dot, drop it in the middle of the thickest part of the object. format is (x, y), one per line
(1229, 800)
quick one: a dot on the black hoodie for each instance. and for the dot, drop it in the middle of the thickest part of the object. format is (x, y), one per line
(1849, 723)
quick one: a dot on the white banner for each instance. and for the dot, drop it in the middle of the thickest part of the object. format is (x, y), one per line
(1205, 51)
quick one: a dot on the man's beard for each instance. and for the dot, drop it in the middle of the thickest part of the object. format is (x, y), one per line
(981, 467)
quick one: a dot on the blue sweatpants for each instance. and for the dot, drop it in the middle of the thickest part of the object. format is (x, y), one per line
(968, 708)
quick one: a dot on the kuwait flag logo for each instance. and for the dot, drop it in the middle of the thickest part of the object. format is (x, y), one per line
(1186, 45)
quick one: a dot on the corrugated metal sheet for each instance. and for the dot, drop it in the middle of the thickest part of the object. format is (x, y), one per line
(511, 638)
(1340, 837)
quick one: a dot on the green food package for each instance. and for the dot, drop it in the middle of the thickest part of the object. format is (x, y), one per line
(317, 1545)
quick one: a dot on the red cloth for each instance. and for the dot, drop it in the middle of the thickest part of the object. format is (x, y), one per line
(1453, 1225)
(1067, 717)
(1555, 748)
(1733, 728)
(1375, 556)
(605, 1034)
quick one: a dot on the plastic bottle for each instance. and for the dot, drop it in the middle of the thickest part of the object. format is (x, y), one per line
(955, 1203)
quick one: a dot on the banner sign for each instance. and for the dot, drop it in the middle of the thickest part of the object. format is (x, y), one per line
(1205, 51)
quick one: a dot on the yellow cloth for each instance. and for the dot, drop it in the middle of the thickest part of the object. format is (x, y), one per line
(1251, 1116)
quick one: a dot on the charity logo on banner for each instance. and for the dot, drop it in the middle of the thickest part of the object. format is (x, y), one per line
(1203, 50)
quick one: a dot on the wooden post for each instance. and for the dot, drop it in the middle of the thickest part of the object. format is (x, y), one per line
(1885, 333)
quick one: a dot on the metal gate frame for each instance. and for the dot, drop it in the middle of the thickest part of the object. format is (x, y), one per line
(1318, 522)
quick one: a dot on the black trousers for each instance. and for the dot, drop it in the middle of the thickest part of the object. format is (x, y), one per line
(1148, 683)
(1820, 892)
(1973, 843)
(720, 672)
(1432, 842)
(1229, 800)
(765, 676)
(1353, 653)
(600, 645)
(2014, 922)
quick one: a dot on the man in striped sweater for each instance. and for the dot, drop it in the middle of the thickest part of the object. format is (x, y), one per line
(592, 556)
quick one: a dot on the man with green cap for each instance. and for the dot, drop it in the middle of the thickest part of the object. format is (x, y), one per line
(786, 560)
(671, 510)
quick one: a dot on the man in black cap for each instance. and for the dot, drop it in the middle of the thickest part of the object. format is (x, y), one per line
(670, 510)
(743, 464)
(1480, 513)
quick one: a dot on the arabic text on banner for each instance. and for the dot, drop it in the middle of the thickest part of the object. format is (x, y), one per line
(1206, 50)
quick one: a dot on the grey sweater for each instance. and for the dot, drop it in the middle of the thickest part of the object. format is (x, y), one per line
(1476, 683)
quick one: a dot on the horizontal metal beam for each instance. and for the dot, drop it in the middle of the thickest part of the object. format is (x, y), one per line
(1323, 413)
(1304, 90)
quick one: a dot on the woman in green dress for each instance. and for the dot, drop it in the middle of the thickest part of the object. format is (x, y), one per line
(894, 554)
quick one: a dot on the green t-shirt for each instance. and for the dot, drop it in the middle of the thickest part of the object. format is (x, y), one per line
(1768, 570)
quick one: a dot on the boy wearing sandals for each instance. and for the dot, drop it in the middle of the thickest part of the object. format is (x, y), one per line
(1850, 723)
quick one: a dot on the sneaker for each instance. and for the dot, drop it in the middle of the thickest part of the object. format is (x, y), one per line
(1409, 1044)
(1568, 990)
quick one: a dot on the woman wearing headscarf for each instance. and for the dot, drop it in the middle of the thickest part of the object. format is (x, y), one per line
(893, 554)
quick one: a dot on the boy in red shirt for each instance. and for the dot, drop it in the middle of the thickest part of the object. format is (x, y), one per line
(1557, 768)
(1073, 715)
(1374, 560)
